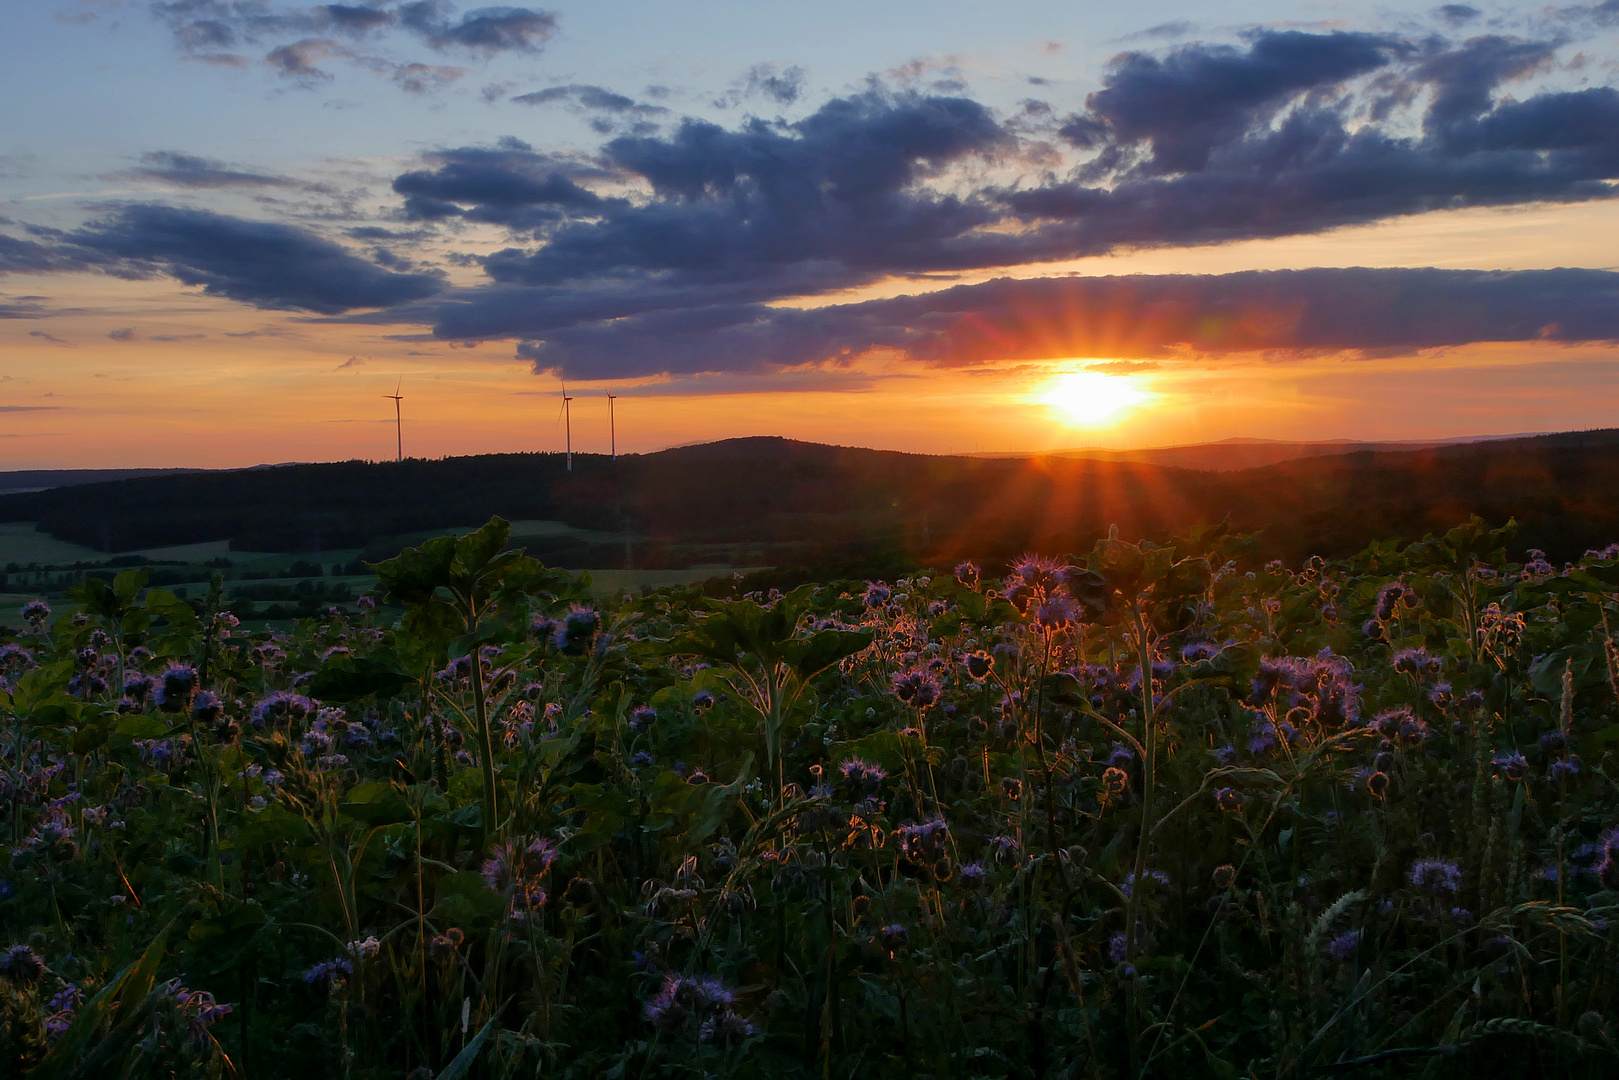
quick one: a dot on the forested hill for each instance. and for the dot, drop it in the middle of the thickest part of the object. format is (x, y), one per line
(23, 480)
(779, 492)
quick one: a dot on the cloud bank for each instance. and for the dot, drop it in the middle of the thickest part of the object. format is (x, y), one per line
(1358, 311)
(666, 248)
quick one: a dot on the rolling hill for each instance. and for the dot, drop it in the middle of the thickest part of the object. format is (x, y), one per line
(776, 501)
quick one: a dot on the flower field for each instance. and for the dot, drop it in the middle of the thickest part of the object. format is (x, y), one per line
(1137, 811)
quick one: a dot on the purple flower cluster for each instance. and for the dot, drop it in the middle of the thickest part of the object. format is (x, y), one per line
(1343, 947)
(179, 684)
(282, 707)
(518, 871)
(1417, 663)
(924, 841)
(916, 687)
(1390, 596)
(331, 972)
(1435, 876)
(1037, 583)
(1324, 685)
(702, 1001)
(21, 965)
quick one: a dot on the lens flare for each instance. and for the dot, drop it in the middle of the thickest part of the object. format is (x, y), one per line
(1091, 398)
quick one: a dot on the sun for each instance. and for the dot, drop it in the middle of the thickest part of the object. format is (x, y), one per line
(1091, 398)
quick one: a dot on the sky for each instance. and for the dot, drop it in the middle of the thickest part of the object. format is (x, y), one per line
(229, 229)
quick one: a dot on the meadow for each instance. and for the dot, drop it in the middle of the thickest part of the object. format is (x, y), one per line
(1140, 810)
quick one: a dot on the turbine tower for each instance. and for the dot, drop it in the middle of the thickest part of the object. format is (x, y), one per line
(399, 423)
(612, 426)
(567, 422)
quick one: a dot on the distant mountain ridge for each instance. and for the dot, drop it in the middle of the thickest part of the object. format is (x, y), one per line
(27, 480)
(1229, 455)
(767, 500)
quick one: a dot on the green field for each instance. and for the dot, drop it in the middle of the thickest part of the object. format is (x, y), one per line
(22, 545)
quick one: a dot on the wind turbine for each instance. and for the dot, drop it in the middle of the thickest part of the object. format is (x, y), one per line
(612, 427)
(567, 421)
(399, 423)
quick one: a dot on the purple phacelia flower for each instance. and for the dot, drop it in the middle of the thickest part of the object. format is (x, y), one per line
(1564, 768)
(35, 612)
(1415, 662)
(1198, 651)
(330, 972)
(1387, 597)
(179, 684)
(206, 708)
(282, 706)
(915, 687)
(1511, 766)
(21, 965)
(1435, 876)
(1343, 947)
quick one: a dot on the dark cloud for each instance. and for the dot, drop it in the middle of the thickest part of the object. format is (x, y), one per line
(1176, 28)
(299, 38)
(424, 78)
(1291, 159)
(25, 307)
(840, 187)
(188, 170)
(485, 31)
(1203, 144)
(1464, 80)
(508, 185)
(29, 408)
(235, 60)
(26, 256)
(266, 264)
(1198, 97)
(1457, 14)
(355, 20)
(126, 333)
(607, 110)
(52, 338)
(781, 85)
(1357, 312)
(300, 61)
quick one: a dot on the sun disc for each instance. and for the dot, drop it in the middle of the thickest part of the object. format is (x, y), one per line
(1090, 397)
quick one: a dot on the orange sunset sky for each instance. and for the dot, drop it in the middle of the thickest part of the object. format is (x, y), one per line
(218, 252)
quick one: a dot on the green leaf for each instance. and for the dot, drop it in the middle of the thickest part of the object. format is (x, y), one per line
(412, 576)
(172, 610)
(122, 1006)
(273, 825)
(464, 898)
(474, 551)
(349, 678)
(469, 1054)
(385, 809)
(141, 727)
(810, 656)
(128, 584)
